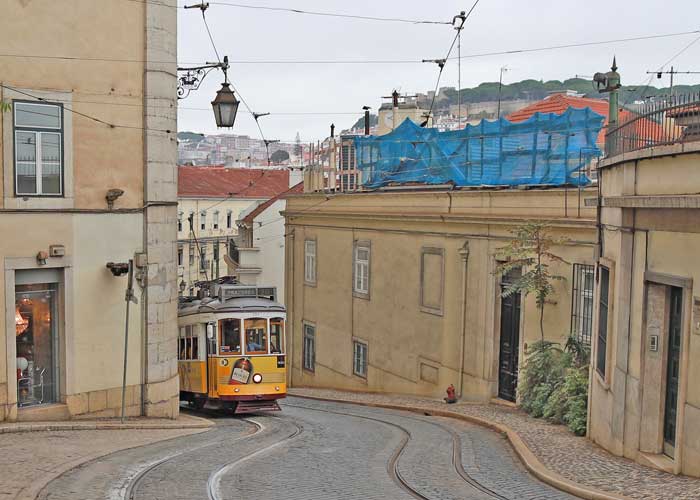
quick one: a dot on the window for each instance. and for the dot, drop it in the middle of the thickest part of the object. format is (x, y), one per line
(310, 261)
(179, 256)
(582, 302)
(203, 220)
(191, 253)
(188, 343)
(179, 221)
(38, 149)
(256, 336)
(309, 347)
(359, 356)
(229, 217)
(276, 336)
(432, 279)
(360, 273)
(230, 342)
(203, 264)
(602, 351)
(216, 251)
(216, 219)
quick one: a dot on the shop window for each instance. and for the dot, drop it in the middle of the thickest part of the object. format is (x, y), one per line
(359, 365)
(256, 336)
(230, 342)
(309, 347)
(276, 336)
(601, 348)
(36, 337)
(582, 302)
(38, 149)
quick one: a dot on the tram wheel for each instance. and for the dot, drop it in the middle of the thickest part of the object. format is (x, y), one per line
(198, 403)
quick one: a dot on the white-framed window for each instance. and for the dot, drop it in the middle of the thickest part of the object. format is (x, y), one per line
(179, 221)
(310, 261)
(191, 245)
(361, 262)
(309, 347)
(359, 358)
(432, 280)
(188, 343)
(583, 285)
(38, 138)
(203, 220)
(203, 264)
(229, 219)
(216, 219)
(179, 255)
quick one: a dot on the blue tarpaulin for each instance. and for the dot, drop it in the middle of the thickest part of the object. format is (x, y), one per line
(546, 149)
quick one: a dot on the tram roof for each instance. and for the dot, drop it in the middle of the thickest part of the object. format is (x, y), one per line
(235, 304)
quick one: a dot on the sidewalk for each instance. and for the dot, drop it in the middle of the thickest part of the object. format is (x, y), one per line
(551, 452)
(33, 454)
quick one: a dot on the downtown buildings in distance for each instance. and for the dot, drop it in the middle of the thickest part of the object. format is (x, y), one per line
(88, 162)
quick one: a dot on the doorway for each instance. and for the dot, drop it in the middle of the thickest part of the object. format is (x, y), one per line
(673, 364)
(509, 344)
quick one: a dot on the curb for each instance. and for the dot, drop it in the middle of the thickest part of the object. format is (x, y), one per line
(101, 426)
(526, 456)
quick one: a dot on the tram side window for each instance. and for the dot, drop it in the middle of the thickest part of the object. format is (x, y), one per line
(256, 336)
(181, 344)
(188, 344)
(230, 336)
(195, 344)
(276, 335)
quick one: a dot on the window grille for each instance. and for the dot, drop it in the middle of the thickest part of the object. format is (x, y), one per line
(359, 365)
(309, 347)
(582, 302)
(601, 348)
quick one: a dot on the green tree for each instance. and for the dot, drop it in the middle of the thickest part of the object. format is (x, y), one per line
(5, 106)
(279, 156)
(530, 250)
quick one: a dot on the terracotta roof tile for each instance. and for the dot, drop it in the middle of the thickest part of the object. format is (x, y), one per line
(297, 189)
(221, 182)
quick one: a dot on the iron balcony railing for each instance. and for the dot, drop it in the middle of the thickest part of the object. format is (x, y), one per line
(665, 120)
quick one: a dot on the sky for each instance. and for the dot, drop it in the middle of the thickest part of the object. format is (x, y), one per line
(335, 93)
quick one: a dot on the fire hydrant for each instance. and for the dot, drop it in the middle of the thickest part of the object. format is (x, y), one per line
(451, 398)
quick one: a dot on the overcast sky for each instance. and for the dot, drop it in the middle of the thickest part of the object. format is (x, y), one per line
(495, 25)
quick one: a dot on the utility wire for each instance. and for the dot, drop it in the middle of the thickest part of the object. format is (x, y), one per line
(362, 61)
(677, 54)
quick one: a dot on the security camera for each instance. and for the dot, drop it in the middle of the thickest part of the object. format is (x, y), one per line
(118, 268)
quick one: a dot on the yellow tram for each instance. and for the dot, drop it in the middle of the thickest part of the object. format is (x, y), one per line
(231, 348)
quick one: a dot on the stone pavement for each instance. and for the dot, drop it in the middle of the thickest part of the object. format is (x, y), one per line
(565, 456)
(28, 460)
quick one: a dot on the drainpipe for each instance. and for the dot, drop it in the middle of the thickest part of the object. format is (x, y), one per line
(464, 256)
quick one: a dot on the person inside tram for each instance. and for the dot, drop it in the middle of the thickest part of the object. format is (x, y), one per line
(251, 344)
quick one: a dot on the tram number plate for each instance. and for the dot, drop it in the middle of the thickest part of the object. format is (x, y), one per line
(280, 361)
(240, 375)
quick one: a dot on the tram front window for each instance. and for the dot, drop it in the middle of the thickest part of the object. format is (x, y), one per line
(276, 335)
(256, 336)
(230, 336)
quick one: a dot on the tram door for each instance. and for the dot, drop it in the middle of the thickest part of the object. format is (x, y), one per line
(510, 340)
(673, 370)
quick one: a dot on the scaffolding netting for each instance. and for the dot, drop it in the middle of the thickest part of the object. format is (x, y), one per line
(546, 149)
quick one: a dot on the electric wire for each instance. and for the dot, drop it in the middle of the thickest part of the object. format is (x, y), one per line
(361, 61)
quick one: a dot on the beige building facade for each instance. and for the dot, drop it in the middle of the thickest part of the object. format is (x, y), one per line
(644, 389)
(88, 177)
(395, 291)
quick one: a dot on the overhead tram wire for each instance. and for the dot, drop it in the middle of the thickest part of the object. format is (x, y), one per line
(364, 61)
(303, 12)
(442, 62)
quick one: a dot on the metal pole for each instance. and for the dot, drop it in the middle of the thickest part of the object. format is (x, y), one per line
(459, 78)
(129, 297)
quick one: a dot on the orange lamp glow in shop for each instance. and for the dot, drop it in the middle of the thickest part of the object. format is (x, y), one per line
(21, 323)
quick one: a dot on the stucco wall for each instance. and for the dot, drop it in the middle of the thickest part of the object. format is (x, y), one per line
(411, 350)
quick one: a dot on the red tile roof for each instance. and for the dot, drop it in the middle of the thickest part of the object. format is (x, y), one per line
(297, 189)
(221, 182)
(558, 103)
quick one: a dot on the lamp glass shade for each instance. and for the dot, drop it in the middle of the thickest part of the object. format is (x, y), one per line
(21, 323)
(225, 107)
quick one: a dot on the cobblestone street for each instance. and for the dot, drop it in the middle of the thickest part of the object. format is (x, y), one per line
(310, 450)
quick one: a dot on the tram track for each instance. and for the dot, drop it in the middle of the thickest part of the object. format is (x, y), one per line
(393, 462)
(214, 480)
(129, 491)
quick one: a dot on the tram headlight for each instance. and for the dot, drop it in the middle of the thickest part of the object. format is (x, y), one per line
(257, 378)
(277, 387)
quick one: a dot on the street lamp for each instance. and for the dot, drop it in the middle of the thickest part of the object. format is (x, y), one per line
(182, 286)
(225, 104)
